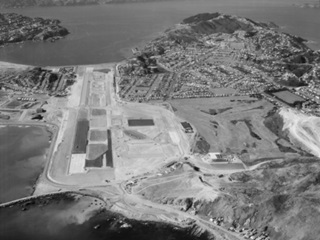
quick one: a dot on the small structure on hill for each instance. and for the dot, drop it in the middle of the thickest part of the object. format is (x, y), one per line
(187, 127)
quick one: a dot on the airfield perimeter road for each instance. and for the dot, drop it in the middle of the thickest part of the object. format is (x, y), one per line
(57, 169)
(94, 183)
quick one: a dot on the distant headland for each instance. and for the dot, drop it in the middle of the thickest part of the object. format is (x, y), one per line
(17, 28)
(314, 5)
(52, 3)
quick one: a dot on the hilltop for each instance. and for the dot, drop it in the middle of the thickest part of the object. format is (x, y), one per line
(313, 5)
(209, 23)
(212, 51)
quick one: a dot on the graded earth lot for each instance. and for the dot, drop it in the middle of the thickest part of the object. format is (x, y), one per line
(112, 139)
(148, 136)
(303, 128)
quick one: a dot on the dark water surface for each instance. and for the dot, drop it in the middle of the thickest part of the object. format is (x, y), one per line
(106, 33)
(64, 219)
(22, 159)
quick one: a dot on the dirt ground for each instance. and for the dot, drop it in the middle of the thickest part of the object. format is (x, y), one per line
(177, 185)
(303, 128)
(150, 146)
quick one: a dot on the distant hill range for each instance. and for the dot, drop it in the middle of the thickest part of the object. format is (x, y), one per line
(15, 28)
(51, 3)
(314, 5)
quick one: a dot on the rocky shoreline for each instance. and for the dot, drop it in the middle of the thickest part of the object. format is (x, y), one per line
(86, 213)
(307, 5)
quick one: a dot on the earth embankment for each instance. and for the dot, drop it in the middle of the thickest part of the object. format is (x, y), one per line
(303, 128)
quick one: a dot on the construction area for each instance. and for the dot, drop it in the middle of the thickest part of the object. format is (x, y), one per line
(108, 139)
(303, 128)
(180, 161)
(145, 137)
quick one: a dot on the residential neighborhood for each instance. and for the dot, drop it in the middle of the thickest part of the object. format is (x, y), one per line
(222, 65)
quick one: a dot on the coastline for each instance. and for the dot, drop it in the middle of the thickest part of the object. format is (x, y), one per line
(55, 191)
(83, 213)
(18, 65)
(51, 130)
(117, 196)
(4, 64)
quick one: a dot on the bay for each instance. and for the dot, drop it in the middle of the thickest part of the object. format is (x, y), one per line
(22, 159)
(106, 33)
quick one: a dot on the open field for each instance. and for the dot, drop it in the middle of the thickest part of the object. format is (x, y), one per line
(98, 112)
(98, 135)
(12, 115)
(97, 163)
(13, 104)
(149, 136)
(98, 123)
(95, 151)
(177, 186)
(80, 141)
(232, 125)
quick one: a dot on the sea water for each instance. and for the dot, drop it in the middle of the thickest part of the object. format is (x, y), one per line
(22, 159)
(106, 33)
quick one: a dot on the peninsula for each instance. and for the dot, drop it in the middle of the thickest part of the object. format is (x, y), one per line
(313, 5)
(214, 125)
(15, 28)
